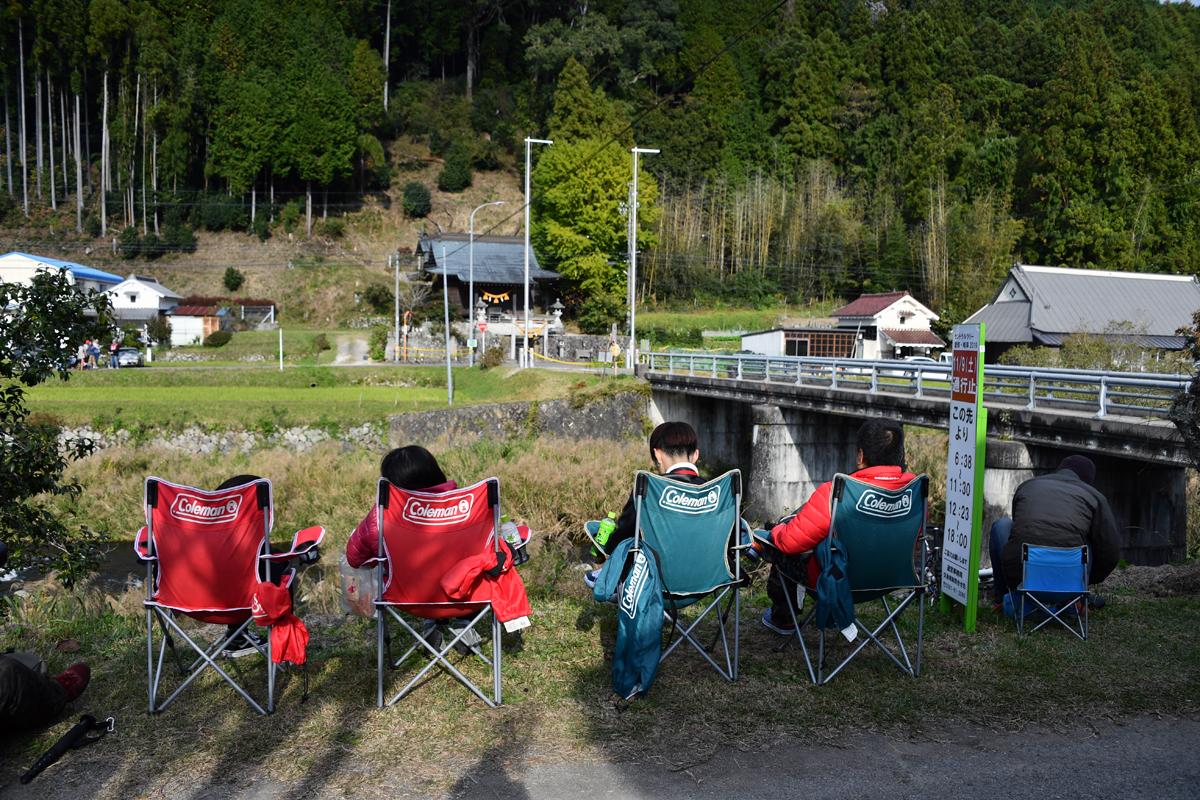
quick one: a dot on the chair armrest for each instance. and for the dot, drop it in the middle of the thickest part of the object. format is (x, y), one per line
(303, 542)
(372, 562)
(141, 545)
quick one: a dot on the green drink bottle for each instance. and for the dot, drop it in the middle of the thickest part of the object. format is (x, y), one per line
(607, 526)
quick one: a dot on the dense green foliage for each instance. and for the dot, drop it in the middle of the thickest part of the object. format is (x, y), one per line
(816, 148)
(217, 339)
(43, 324)
(233, 279)
(416, 199)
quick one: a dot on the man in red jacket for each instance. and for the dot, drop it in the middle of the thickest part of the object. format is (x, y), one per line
(879, 461)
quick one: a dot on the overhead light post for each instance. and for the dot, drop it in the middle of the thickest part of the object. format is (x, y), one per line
(631, 350)
(446, 307)
(528, 147)
(471, 261)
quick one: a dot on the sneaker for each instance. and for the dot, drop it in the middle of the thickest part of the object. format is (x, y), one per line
(243, 644)
(1096, 602)
(768, 622)
(74, 679)
(589, 578)
(470, 640)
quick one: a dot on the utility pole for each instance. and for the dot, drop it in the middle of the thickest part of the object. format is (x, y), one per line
(631, 350)
(471, 269)
(528, 145)
(395, 263)
(446, 306)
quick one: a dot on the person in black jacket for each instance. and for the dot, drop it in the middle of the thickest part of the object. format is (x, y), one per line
(1062, 509)
(674, 451)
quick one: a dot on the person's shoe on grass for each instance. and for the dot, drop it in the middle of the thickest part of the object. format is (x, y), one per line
(243, 644)
(770, 621)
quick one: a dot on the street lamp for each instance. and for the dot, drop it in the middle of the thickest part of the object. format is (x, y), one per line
(528, 146)
(631, 351)
(471, 259)
(446, 307)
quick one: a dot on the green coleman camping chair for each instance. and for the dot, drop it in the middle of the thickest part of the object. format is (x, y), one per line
(877, 550)
(692, 531)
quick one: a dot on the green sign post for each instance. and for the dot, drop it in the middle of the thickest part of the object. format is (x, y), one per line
(964, 475)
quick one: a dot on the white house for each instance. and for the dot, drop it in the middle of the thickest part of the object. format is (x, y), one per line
(814, 342)
(889, 325)
(18, 267)
(139, 299)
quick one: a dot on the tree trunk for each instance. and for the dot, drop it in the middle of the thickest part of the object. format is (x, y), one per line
(21, 109)
(253, 201)
(87, 126)
(387, 54)
(50, 139)
(104, 161)
(78, 174)
(8, 143)
(308, 209)
(472, 52)
(64, 122)
(37, 130)
(154, 167)
(272, 217)
(145, 223)
(137, 104)
(325, 203)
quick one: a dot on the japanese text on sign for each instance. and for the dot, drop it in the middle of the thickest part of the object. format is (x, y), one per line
(962, 466)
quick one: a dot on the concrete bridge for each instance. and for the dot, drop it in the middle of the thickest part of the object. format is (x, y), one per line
(790, 423)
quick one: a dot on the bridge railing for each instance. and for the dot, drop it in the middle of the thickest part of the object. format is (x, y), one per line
(1098, 393)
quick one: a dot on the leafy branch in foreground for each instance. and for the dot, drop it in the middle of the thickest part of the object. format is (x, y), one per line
(43, 324)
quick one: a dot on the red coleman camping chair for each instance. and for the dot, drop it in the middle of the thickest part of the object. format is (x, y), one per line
(440, 558)
(205, 554)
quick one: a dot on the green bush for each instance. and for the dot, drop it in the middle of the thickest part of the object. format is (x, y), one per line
(261, 227)
(320, 343)
(233, 279)
(456, 174)
(379, 338)
(290, 215)
(598, 312)
(491, 358)
(151, 246)
(218, 339)
(333, 227)
(674, 337)
(159, 331)
(129, 243)
(416, 199)
(179, 237)
(378, 297)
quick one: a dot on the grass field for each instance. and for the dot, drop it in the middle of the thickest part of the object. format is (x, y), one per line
(171, 398)
(1143, 657)
(298, 347)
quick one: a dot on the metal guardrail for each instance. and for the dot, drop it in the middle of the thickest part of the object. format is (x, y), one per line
(1097, 393)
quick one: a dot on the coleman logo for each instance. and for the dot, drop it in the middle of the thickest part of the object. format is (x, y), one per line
(450, 511)
(205, 510)
(690, 502)
(880, 505)
(634, 585)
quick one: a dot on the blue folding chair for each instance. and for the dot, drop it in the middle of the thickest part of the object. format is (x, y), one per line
(1056, 580)
(693, 533)
(878, 532)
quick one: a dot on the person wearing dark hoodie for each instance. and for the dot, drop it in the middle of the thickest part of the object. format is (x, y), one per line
(1061, 509)
(674, 451)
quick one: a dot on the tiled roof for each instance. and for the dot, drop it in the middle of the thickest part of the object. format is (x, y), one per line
(868, 305)
(913, 336)
(193, 311)
(498, 259)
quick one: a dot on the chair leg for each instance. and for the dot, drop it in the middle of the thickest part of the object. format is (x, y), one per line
(270, 676)
(150, 676)
(496, 645)
(380, 623)
(737, 622)
(920, 633)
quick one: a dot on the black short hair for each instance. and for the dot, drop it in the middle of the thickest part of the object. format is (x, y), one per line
(411, 467)
(882, 443)
(237, 480)
(675, 439)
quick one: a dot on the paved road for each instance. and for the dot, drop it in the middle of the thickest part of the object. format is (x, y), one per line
(1138, 758)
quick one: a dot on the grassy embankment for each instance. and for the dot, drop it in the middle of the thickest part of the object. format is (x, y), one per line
(670, 327)
(556, 675)
(251, 398)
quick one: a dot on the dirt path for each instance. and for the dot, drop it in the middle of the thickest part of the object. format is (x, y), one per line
(1140, 757)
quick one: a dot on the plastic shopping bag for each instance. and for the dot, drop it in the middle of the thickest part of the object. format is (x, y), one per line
(359, 588)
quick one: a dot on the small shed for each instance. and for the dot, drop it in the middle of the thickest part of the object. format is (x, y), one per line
(192, 324)
(815, 342)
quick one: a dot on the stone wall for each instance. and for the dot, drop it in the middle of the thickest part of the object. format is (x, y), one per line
(617, 417)
(205, 442)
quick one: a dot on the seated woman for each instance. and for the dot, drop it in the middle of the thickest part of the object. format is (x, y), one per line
(413, 468)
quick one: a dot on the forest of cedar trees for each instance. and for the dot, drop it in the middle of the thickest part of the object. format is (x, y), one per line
(809, 149)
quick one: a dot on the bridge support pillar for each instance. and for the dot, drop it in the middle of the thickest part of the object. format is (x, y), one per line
(1149, 501)
(791, 453)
